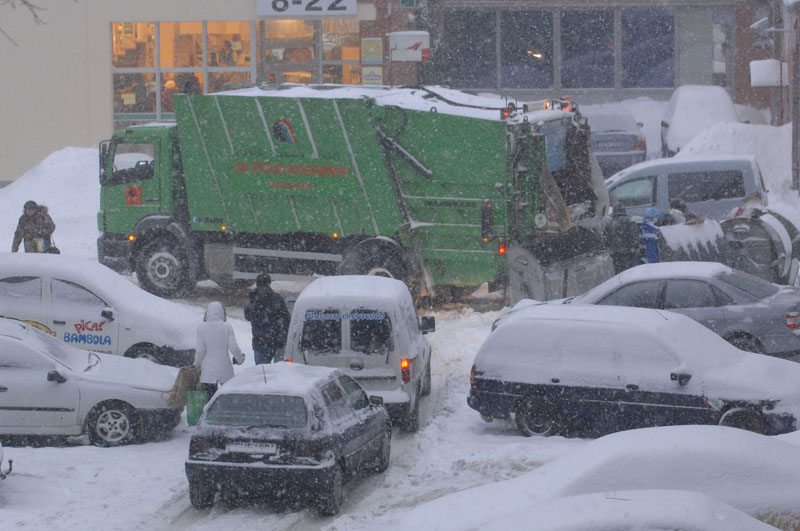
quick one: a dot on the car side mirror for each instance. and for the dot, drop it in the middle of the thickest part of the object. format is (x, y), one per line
(107, 313)
(428, 325)
(664, 123)
(681, 378)
(640, 124)
(376, 400)
(55, 376)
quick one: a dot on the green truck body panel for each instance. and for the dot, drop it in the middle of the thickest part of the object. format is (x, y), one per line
(341, 169)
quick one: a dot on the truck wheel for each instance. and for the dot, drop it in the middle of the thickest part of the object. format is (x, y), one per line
(163, 269)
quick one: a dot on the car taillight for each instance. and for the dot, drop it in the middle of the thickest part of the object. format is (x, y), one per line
(501, 248)
(472, 378)
(405, 370)
(793, 319)
(641, 144)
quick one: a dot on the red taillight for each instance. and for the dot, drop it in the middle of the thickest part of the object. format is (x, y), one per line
(793, 319)
(472, 378)
(501, 248)
(288, 361)
(405, 370)
(505, 112)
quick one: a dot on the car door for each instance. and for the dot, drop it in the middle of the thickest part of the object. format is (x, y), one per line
(371, 433)
(29, 403)
(345, 423)
(21, 298)
(75, 314)
(711, 192)
(635, 194)
(698, 300)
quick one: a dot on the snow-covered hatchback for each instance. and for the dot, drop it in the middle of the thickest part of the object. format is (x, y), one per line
(90, 306)
(287, 430)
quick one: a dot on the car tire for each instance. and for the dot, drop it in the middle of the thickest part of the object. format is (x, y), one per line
(426, 381)
(331, 502)
(743, 418)
(201, 494)
(746, 342)
(162, 268)
(148, 352)
(112, 424)
(385, 451)
(410, 423)
(535, 416)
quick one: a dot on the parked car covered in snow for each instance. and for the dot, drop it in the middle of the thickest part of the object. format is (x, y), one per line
(287, 430)
(90, 306)
(4, 474)
(617, 139)
(708, 185)
(561, 368)
(50, 388)
(368, 327)
(691, 109)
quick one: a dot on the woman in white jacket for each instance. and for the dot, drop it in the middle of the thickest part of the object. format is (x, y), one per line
(215, 339)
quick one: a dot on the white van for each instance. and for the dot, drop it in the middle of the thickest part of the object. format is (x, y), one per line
(367, 326)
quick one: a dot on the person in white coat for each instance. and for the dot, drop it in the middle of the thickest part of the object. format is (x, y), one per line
(215, 339)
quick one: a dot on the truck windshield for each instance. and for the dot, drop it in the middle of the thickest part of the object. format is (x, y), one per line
(133, 161)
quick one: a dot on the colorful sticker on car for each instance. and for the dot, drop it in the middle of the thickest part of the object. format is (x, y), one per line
(87, 339)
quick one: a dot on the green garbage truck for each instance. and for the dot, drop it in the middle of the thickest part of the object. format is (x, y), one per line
(429, 185)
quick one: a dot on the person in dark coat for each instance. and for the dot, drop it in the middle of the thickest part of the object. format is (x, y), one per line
(35, 228)
(269, 319)
(622, 240)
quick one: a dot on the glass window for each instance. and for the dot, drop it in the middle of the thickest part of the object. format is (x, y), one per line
(692, 187)
(228, 43)
(287, 50)
(322, 332)
(183, 82)
(65, 292)
(21, 288)
(637, 295)
(648, 48)
(133, 44)
(219, 81)
(181, 44)
(752, 285)
(372, 334)
(688, 294)
(358, 398)
(469, 49)
(258, 410)
(526, 49)
(135, 93)
(637, 192)
(133, 161)
(337, 402)
(587, 49)
(722, 42)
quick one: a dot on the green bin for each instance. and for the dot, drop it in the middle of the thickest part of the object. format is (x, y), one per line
(195, 402)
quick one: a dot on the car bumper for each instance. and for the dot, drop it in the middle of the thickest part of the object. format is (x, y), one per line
(114, 252)
(303, 481)
(492, 405)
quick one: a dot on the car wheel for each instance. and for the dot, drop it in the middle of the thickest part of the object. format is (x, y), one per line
(385, 451)
(743, 418)
(112, 424)
(535, 416)
(201, 494)
(163, 269)
(331, 503)
(410, 422)
(148, 352)
(426, 381)
(746, 343)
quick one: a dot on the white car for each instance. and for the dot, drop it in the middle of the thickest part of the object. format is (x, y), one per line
(89, 306)
(49, 388)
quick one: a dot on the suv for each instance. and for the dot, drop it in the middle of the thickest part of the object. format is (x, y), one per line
(368, 327)
(711, 185)
(287, 429)
(691, 109)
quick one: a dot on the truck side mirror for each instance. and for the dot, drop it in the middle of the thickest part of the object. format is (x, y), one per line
(428, 325)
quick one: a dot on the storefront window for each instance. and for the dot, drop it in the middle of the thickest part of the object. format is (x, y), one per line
(587, 49)
(287, 50)
(722, 39)
(135, 93)
(181, 44)
(648, 48)
(526, 49)
(341, 45)
(219, 81)
(469, 58)
(183, 82)
(228, 44)
(133, 45)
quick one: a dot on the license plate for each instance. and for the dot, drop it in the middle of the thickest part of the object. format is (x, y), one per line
(609, 144)
(252, 447)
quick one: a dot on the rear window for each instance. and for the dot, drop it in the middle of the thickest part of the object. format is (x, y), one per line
(692, 187)
(240, 410)
(322, 331)
(370, 332)
(752, 285)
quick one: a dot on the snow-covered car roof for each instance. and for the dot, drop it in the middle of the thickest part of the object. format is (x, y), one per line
(293, 379)
(602, 119)
(356, 291)
(693, 108)
(678, 163)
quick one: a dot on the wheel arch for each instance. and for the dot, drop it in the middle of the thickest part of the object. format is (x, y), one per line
(731, 336)
(135, 419)
(730, 412)
(156, 226)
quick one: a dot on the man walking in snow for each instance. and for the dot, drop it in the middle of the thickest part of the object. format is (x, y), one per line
(269, 319)
(35, 228)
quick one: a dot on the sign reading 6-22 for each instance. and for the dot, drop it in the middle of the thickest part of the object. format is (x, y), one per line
(305, 8)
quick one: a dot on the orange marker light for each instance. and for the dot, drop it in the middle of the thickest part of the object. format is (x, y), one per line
(224, 227)
(335, 234)
(131, 237)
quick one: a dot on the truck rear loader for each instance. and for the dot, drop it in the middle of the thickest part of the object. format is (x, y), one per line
(432, 186)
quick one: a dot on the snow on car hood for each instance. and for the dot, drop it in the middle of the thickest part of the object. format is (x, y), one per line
(137, 372)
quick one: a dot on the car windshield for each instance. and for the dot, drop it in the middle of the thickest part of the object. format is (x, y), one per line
(73, 358)
(752, 285)
(247, 410)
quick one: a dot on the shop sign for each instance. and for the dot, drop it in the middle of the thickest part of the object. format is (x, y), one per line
(372, 51)
(305, 8)
(410, 45)
(372, 75)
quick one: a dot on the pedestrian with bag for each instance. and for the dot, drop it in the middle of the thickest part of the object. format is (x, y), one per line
(215, 340)
(269, 319)
(35, 228)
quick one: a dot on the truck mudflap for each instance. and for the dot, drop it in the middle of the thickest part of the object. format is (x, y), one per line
(558, 266)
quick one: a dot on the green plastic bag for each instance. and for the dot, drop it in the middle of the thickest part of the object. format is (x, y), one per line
(195, 402)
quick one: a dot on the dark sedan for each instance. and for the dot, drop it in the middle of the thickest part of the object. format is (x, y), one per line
(287, 430)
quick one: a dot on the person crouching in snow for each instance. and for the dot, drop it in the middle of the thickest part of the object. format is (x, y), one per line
(215, 339)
